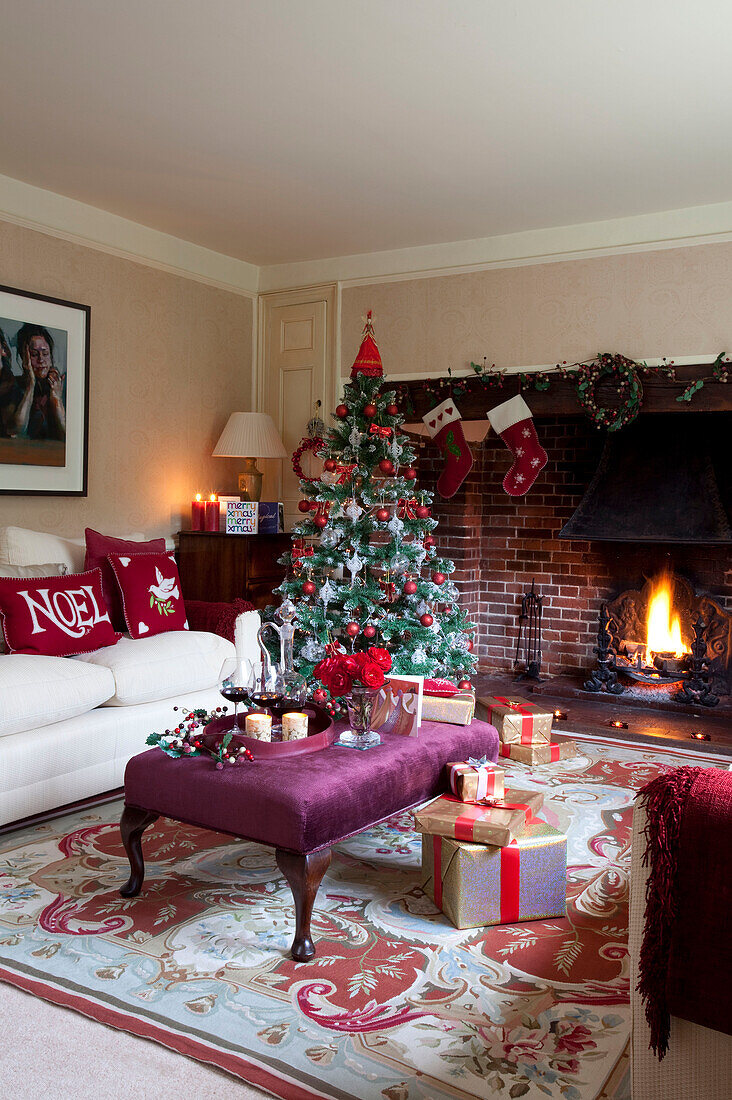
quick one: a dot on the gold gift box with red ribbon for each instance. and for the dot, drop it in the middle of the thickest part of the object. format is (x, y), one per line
(478, 884)
(474, 780)
(517, 720)
(540, 753)
(458, 709)
(497, 822)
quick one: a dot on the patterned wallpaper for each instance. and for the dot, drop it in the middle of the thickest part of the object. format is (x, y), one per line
(643, 304)
(170, 359)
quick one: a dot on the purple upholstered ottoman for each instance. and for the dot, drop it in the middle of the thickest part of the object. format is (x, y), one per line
(300, 805)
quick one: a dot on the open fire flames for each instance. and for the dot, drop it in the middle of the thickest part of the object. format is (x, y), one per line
(663, 634)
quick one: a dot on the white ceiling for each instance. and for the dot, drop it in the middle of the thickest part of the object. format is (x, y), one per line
(284, 130)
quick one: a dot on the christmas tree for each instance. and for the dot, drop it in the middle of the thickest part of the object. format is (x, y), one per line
(364, 569)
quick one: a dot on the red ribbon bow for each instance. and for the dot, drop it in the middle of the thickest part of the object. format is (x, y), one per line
(527, 717)
(389, 589)
(405, 508)
(382, 432)
(344, 472)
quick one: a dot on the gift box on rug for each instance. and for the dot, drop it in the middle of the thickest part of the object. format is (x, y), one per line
(517, 720)
(478, 884)
(473, 780)
(459, 709)
(497, 822)
(540, 753)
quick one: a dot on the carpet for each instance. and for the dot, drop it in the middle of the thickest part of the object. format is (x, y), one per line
(397, 1004)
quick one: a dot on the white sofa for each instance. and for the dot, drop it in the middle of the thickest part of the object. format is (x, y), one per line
(68, 725)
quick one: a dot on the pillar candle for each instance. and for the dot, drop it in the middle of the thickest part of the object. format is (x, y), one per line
(198, 513)
(294, 725)
(259, 726)
(212, 513)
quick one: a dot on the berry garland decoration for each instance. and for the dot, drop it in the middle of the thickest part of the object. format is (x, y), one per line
(308, 444)
(184, 741)
(627, 385)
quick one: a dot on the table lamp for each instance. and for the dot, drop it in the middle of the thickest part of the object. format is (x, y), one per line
(250, 435)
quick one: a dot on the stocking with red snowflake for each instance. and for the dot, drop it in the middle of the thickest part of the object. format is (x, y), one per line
(512, 420)
(444, 423)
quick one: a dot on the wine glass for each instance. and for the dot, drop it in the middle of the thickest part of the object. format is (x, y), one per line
(237, 681)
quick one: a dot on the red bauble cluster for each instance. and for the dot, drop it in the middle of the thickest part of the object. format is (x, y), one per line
(309, 444)
(426, 619)
(438, 578)
(386, 466)
(342, 411)
(308, 588)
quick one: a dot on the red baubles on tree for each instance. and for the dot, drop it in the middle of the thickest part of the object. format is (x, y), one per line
(422, 512)
(303, 505)
(438, 578)
(386, 466)
(410, 588)
(320, 521)
(352, 629)
(342, 411)
(429, 540)
(382, 514)
(370, 410)
(369, 631)
(392, 410)
(410, 474)
(426, 619)
(465, 685)
(308, 588)
(329, 464)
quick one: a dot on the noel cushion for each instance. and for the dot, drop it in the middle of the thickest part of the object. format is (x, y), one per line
(98, 546)
(151, 595)
(55, 616)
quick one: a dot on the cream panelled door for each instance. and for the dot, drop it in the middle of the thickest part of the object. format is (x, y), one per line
(296, 371)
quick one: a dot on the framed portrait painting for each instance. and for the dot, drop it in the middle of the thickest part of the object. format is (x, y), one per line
(44, 394)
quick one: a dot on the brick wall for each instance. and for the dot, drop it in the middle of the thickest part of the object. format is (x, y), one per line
(500, 544)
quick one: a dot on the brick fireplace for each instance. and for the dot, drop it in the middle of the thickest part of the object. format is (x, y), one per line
(500, 545)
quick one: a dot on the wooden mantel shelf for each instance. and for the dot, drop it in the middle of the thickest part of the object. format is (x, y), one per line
(659, 395)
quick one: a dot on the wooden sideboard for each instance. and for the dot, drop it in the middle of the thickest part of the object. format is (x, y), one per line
(215, 566)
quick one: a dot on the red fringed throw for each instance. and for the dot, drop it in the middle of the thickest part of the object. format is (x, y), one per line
(686, 955)
(217, 618)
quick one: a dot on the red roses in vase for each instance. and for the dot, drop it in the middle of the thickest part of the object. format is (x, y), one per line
(341, 671)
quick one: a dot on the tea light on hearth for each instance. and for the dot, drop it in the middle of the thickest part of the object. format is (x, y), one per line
(259, 726)
(699, 736)
(561, 714)
(618, 725)
(294, 725)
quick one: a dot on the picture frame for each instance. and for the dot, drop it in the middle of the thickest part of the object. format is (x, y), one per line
(44, 394)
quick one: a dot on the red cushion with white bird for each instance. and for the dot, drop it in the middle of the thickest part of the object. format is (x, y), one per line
(56, 616)
(151, 595)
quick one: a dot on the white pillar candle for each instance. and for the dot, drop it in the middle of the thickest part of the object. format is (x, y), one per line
(294, 725)
(259, 726)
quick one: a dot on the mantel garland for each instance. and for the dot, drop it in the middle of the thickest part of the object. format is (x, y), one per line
(623, 374)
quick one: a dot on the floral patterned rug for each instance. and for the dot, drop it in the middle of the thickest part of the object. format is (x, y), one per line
(397, 1004)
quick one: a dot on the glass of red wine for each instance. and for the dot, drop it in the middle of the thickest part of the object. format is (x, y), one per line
(237, 682)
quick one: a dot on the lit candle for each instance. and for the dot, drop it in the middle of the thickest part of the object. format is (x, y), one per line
(560, 714)
(294, 726)
(259, 726)
(212, 513)
(618, 725)
(198, 513)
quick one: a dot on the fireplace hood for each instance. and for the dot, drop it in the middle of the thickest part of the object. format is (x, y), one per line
(664, 478)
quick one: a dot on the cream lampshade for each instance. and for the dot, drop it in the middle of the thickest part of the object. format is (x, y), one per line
(250, 435)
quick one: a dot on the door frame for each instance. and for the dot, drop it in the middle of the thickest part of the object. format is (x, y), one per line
(320, 292)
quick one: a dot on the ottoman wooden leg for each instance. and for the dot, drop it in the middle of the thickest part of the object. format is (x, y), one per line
(304, 874)
(132, 826)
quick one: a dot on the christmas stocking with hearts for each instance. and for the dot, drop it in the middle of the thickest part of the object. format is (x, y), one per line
(445, 427)
(514, 423)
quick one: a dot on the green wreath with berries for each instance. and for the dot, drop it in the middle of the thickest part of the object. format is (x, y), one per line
(625, 379)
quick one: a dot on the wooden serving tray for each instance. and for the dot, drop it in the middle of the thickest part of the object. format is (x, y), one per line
(321, 734)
